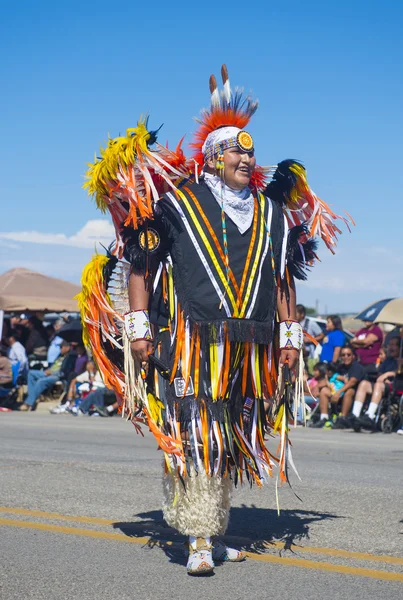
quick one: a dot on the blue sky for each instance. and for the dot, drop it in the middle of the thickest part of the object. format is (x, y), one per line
(328, 77)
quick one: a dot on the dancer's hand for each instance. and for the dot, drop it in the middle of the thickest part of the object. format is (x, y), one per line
(141, 350)
(289, 356)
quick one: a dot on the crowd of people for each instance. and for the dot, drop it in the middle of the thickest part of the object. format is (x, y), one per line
(35, 359)
(351, 376)
(347, 377)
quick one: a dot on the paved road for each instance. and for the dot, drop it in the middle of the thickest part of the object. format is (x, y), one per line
(80, 518)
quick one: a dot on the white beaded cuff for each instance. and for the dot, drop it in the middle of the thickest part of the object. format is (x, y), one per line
(291, 335)
(137, 325)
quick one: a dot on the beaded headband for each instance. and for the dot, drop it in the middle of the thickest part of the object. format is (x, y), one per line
(243, 141)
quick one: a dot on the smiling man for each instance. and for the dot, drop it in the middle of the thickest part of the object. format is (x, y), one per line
(226, 242)
(209, 308)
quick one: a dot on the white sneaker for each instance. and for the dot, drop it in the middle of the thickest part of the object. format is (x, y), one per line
(400, 431)
(200, 561)
(222, 553)
(77, 412)
(58, 410)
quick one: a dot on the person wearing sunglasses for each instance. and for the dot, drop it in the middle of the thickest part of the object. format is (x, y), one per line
(349, 373)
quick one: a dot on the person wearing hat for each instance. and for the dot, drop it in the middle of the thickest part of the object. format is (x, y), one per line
(213, 253)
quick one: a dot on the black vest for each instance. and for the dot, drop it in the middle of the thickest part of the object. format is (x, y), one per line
(246, 300)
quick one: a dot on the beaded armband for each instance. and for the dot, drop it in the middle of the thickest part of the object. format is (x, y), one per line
(137, 325)
(291, 335)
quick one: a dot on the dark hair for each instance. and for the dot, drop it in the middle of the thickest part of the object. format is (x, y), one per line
(335, 319)
(396, 338)
(300, 308)
(332, 367)
(13, 333)
(38, 326)
(37, 323)
(322, 368)
(348, 347)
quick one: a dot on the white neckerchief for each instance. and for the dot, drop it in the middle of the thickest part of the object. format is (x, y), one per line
(238, 204)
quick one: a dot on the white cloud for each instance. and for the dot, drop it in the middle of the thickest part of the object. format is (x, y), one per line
(364, 269)
(347, 282)
(96, 230)
(352, 279)
(10, 245)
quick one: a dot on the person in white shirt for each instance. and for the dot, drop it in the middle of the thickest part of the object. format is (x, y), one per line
(88, 381)
(17, 353)
(94, 393)
(85, 383)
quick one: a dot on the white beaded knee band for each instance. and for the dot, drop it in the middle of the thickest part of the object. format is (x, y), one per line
(291, 335)
(137, 325)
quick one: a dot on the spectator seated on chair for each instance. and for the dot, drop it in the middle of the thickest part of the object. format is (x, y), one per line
(80, 386)
(342, 386)
(80, 364)
(319, 379)
(55, 342)
(367, 343)
(9, 393)
(17, 353)
(102, 400)
(386, 372)
(40, 381)
(37, 342)
(6, 370)
(81, 359)
(91, 388)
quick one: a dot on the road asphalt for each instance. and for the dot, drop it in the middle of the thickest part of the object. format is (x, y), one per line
(80, 518)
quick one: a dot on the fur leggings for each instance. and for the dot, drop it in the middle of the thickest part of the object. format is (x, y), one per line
(201, 508)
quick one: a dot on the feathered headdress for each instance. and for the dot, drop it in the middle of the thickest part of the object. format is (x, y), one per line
(227, 109)
(132, 172)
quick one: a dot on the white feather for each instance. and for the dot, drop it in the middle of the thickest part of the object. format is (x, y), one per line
(215, 99)
(227, 91)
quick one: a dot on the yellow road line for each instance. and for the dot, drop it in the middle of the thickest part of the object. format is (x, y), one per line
(322, 566)
(292, 562)
(105, 535)
(47, 515)
(392, 560)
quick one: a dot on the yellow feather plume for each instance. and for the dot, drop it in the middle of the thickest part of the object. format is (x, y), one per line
(91, 278)
(120, 152)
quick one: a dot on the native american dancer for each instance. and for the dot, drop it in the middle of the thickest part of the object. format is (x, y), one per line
(199, 286)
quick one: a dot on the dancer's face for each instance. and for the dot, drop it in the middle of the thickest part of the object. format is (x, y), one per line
(238, 167)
